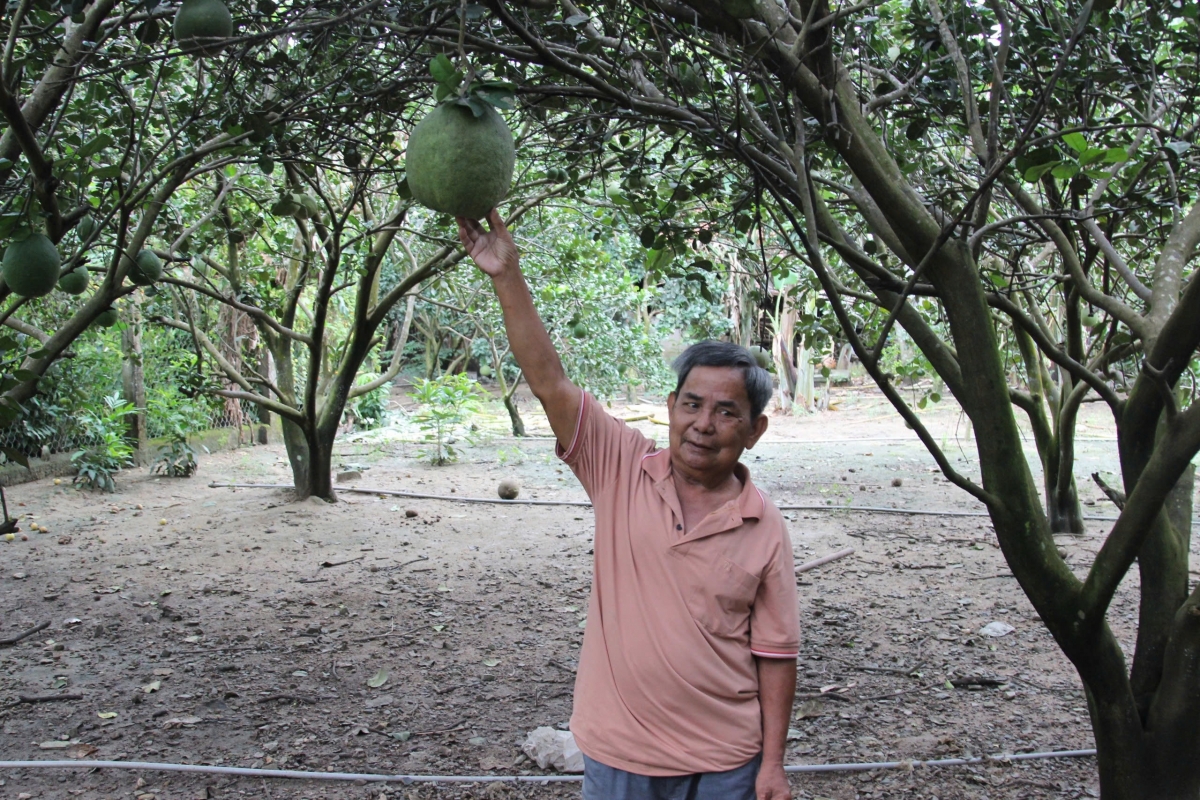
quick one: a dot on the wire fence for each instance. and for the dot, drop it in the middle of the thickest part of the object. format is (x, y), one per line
(39, 434)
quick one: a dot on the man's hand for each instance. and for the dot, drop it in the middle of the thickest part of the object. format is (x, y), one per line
(772, 783)
(492, 251)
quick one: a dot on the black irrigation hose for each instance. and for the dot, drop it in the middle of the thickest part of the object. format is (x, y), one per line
(586, 504)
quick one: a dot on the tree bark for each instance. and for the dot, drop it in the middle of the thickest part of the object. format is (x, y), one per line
(518, 425)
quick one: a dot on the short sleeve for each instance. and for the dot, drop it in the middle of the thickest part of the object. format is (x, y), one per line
(600, 446)
(775, 616)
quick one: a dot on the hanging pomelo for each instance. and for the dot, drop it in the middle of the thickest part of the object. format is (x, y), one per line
(31, 266)
(146, 269)
(459, 163)
(107, 318)
(75, 281)
(762, 356)
(202, 26)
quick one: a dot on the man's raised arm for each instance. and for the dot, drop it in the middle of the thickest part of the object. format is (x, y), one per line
(495, 253)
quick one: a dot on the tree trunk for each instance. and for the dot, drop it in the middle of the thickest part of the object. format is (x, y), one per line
(1139, 764)
(133, 382)
(518, 425)
(311, 461)
(1063, 509)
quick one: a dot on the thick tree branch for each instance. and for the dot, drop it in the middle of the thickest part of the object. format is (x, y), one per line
(1173, 452)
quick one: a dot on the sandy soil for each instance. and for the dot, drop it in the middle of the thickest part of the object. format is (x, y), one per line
(232, 626)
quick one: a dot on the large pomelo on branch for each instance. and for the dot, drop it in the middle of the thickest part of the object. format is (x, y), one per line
(75, 281)
(202, 26)
(458, 163)
(31, 266)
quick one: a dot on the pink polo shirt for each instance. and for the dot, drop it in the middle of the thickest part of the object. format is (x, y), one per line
(667, 683)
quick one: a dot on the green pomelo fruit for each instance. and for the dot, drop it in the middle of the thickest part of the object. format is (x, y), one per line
(285, 206)
(108, 317)
(508, 489)
(75, 281)
(146, 269)
(762, 357)
(458, 163)
(31, 266)
(202, 26)
(486, 371)
(87, 226)
(579, 330)
(309, 205)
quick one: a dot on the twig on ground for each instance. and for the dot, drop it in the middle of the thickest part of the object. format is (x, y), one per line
(299, 698)
(14, 639)
(408, 632)
(45, 698)
(824, 560)
(406, 563)
(458, 726)
(328, 564)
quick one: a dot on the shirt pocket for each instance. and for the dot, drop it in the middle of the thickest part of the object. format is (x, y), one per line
(718, 592)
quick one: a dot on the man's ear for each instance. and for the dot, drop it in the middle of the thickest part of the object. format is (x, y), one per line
(671, 402)
(759, 427)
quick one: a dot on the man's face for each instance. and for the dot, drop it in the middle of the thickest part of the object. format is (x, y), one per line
(711, 423)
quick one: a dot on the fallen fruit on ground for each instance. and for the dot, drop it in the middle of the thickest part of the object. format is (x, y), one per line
(31, 266)
(508, 489)
(458, 163)
(75, 281)
(202, 26)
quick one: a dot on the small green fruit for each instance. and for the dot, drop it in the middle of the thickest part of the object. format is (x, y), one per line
(146, 269)
(107, 318)
(308, 205)
(285, 206)
(31, 266)
(202, 26)
(486, 371)
(75, 281)
(86, 227)
(508, 489)
(458, 163)
(266, 164)
(579, 330)
(761, 356)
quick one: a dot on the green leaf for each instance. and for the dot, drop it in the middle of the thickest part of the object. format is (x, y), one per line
(25, 375)
(441, 68)
(1076, 141)
(95, 145)
(1115, 155)
(477, 106)
(378, 679)
(12, 454)
(575, 20)
(1034, 174)
(1091, 155)
(1178, 148)
(1065, 170)
(104, 173)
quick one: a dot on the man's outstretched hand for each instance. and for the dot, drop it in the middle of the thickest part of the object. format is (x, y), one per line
(492, 251)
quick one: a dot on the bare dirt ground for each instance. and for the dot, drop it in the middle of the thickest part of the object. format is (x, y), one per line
(203, 625)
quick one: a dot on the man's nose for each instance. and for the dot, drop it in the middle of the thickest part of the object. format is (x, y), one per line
(705, 421)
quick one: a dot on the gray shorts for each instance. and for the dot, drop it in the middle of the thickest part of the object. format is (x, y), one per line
(601, 782)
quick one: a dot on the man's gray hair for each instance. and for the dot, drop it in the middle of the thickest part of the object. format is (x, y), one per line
(727, 354)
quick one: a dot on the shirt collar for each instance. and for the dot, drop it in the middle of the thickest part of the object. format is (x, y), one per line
(750, 503)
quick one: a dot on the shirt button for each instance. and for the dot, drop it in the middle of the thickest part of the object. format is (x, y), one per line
(678, 527)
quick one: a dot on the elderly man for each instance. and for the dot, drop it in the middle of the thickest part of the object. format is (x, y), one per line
(688, 668)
